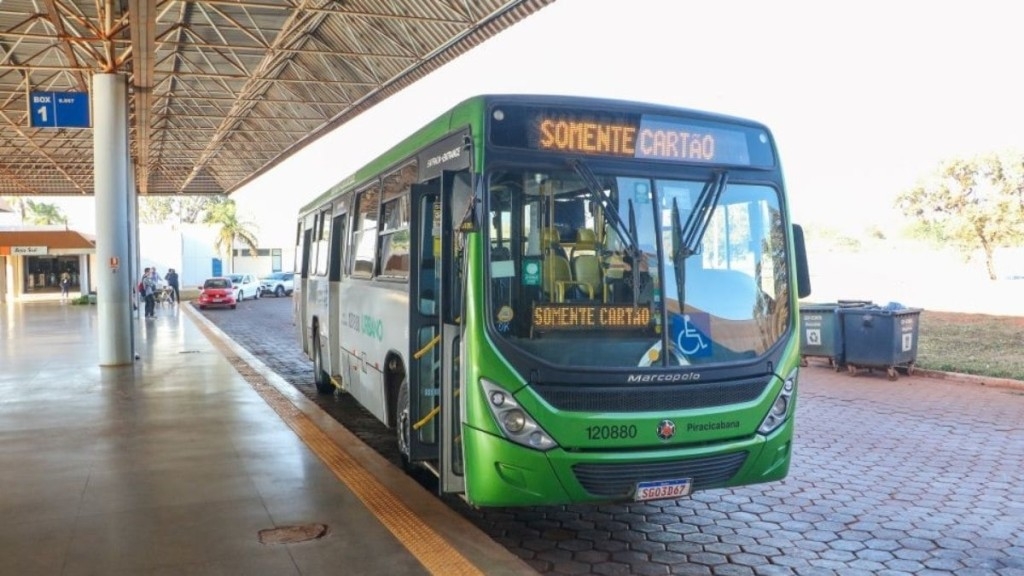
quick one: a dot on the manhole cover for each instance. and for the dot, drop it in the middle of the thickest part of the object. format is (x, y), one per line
(292, 534)
(188, 352)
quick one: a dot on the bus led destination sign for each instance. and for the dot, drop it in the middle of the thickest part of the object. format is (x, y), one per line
(590, 316)
(654, 138)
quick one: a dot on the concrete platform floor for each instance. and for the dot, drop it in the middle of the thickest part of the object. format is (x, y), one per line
(176, 464)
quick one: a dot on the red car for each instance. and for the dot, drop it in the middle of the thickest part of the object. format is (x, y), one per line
(217, 292)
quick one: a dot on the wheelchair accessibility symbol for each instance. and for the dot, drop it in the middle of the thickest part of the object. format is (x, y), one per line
(690, 332)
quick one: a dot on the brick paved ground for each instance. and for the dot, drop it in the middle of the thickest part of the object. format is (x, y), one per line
(917, 476)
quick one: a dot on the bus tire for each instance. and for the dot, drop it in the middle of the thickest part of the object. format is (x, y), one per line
(321, 379)
(403, 425)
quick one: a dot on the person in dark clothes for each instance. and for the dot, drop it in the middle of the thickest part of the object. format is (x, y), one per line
(172, 281)
(65, 283)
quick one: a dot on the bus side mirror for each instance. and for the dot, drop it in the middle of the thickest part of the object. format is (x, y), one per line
(803, 272)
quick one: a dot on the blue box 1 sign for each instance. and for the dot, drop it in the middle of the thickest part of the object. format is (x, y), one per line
(59, 109)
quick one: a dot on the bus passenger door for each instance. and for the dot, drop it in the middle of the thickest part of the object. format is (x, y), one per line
(301, 282)
(337, 249)
(434, 329)
(457, 198)
(424, 323)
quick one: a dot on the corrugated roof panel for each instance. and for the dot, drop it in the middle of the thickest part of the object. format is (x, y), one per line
(226, 89)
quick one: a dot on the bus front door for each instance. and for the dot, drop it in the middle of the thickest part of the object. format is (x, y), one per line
(435, 416)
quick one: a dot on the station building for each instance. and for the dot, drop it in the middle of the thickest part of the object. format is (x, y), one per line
(32, 259)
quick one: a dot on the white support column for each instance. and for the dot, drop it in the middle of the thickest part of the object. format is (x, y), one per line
(5, 290)
(110, 156)
(132, 230)
(83, 275)
(133, 244)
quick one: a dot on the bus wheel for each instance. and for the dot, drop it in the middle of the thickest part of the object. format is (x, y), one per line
(403, 427)
(320, 378)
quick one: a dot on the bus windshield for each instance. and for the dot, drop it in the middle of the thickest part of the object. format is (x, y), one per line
(582, 268)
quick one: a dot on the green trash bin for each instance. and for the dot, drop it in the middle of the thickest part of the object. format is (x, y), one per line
(882, 338)
(821, 332)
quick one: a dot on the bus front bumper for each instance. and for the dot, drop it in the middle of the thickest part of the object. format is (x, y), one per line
(502, 473)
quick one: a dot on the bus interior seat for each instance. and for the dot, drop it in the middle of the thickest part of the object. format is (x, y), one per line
(551, 240)
(558, 282)
(586, 242)
(586, 264)
(555, 271)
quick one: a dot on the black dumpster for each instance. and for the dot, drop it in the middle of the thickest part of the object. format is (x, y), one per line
(877, 337)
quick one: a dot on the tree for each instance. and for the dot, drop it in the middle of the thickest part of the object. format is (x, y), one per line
(17, 204)
(977, 203)
(42, 213)
(186, 209)
(231, 229)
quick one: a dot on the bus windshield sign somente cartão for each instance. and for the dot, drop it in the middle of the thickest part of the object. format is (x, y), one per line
(556, 300)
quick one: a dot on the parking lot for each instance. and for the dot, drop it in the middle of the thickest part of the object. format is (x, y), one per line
(916, 476)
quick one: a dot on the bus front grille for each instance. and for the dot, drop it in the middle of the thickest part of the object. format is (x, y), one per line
(651, 398)
(619, 480)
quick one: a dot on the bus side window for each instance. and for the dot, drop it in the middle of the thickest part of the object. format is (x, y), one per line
(428, 288)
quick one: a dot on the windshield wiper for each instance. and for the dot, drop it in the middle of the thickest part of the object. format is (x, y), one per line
(597, 193)
(686, 239)
(699, 219)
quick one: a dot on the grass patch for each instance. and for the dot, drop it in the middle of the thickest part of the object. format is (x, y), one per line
(971, 344)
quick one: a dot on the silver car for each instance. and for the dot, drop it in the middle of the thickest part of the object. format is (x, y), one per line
(279, 283)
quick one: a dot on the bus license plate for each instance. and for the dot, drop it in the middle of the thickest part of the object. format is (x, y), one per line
(662, 489)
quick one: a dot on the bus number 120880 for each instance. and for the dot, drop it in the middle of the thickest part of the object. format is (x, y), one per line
(619, 432)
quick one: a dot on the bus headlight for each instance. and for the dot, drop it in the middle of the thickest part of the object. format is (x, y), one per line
(514, 422)
(781, 407)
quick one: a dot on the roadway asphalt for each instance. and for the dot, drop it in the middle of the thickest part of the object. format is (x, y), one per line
(918, 476)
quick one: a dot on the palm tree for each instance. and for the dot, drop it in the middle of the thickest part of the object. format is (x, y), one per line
(231, 229)
(43, 213)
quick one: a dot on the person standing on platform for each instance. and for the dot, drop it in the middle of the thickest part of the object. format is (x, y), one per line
(172, 281)
(140, 288)
(149, 292)
(65, 283)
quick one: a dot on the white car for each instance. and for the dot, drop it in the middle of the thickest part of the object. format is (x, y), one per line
(245, 286)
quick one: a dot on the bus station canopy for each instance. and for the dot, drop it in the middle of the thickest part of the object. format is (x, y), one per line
(220, 91)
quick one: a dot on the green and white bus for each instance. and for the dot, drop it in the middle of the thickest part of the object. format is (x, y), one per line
(564, 300)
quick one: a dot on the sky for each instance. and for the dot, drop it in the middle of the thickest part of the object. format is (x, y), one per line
(863, 98)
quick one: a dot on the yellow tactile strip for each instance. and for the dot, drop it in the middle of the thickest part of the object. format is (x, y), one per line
(433, 551)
